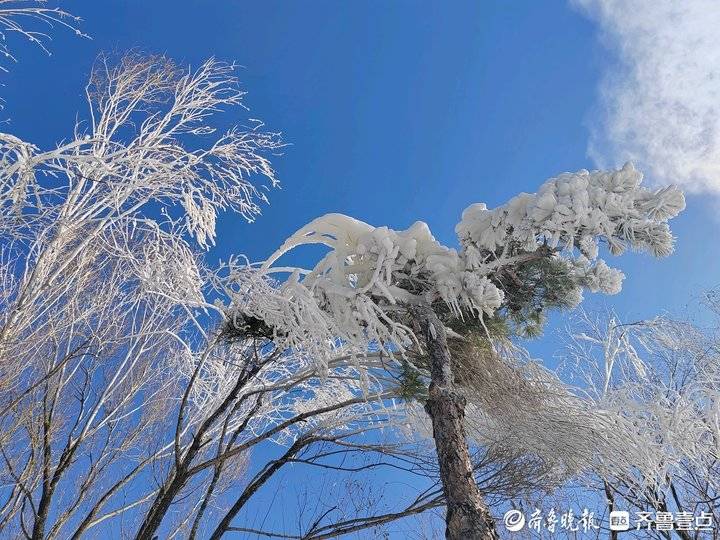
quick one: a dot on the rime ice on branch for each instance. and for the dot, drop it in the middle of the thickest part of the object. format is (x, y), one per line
(536, 251)
(370, 271)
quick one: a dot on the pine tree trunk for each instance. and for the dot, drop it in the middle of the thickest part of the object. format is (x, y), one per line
(468, 517)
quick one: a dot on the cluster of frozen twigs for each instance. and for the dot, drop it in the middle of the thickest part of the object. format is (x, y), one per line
(121, 370)
(32, 20)
(660, 382)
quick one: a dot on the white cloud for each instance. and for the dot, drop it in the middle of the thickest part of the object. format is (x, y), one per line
(660, 103)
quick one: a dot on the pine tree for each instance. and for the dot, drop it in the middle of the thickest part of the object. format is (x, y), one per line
(404, 293)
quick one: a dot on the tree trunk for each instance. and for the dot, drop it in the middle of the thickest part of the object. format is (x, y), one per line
(468, 517)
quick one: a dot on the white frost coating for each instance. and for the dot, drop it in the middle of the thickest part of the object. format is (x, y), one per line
(127, 201)
(581, 207)
(577, 211)
(599, 277)
(372, 261)
(659, 380)
(353, 291)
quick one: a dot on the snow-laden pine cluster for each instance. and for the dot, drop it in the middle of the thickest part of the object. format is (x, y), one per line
(574, 212)
(578, 210)
(370, 272)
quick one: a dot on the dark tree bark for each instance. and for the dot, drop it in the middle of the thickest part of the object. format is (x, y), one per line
(611, 506)
(468, 517)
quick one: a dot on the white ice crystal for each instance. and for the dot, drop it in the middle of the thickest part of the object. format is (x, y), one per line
(584, 207)
(370, 271)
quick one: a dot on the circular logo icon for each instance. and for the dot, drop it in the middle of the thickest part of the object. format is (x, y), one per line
(514, 520)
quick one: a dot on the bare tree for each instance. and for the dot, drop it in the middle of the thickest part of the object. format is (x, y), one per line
(99, 272)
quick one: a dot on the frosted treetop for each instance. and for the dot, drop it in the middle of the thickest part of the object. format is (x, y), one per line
(370, 271)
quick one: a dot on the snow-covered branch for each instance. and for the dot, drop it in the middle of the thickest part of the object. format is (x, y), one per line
(369, 271)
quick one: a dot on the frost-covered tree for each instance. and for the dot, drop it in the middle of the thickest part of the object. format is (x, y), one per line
(402, 290)
(134, 381)
(660, 380)
(100, 273)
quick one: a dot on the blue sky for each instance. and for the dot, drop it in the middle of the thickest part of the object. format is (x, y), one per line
(395, 112)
